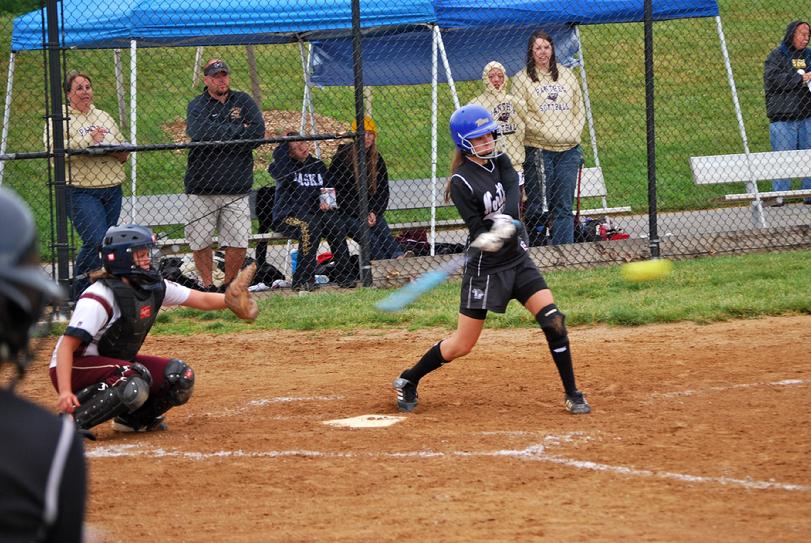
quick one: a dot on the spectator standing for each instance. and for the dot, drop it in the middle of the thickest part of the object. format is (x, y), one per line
(300, 211)
(554, 124)
(787, 82)
(43, 477)
(219, 178)
(344, 175)
(94, 181)
(508, 111)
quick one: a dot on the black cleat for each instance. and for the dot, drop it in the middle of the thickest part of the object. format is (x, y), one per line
(406, 394)
(576, 403)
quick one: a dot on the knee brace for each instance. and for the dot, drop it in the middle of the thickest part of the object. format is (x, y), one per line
(553, 324)
(101, 402)
(178, 385)
(178, 381)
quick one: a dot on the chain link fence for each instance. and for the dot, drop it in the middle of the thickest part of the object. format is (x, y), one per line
(227, 126)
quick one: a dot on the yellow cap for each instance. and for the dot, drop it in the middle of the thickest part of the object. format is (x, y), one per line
(368, 124)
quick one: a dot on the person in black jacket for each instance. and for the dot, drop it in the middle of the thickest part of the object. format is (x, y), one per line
(484, 188)
(787, 82)
(343, 174)
(219, 178)
(302, 211)
(43, 479)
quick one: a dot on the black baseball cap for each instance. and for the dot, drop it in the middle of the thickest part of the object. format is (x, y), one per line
(216, 66)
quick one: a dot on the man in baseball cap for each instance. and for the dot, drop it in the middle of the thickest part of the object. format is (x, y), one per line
(216, 66)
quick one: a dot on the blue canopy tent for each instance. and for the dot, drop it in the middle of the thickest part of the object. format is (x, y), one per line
(402, 33)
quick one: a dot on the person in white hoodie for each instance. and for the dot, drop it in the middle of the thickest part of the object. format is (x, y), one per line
(508, 111)
(554, 125)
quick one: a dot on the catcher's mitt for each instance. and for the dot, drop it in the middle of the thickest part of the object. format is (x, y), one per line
(237, 297)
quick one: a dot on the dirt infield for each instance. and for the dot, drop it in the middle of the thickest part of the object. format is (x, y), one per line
(699, 433)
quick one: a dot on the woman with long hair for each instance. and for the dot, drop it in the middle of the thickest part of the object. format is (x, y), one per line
(344, 175)
(554, 124)
(484, 189)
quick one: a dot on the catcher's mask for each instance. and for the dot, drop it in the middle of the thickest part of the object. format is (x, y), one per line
(25, 288)
(129, 251)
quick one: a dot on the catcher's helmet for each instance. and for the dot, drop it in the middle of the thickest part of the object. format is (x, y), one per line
(25, 288)
(117, 248)
(473, 121)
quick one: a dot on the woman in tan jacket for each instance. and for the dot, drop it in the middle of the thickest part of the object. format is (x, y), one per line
(94, 181)
(554, 125)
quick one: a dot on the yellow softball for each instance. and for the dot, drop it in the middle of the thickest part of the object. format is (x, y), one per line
(646, 270)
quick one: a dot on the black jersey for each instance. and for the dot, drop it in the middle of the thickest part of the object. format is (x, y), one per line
(479, 192)
(42, 474)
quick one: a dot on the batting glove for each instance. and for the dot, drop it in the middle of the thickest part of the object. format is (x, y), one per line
(488, 242)
(503, 226)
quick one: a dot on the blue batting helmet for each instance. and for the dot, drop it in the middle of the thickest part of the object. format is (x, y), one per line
(469, 122)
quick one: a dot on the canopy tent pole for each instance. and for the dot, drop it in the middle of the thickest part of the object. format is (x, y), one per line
(758, 218)
(133, 123)
(198, 62)
(587, 103)
(307, 108)
(6, 114)
(119, 90)
(447, 66)
(434, 139)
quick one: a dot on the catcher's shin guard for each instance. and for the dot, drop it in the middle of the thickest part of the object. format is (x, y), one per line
(101, 402)
(177, 388)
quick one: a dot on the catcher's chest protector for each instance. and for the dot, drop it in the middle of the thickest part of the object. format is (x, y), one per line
(139, 309)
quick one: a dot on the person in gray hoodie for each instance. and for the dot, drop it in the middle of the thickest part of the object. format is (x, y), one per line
(787, 82)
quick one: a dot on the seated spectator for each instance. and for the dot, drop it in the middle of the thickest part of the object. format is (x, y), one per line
(344, 175)
(300, 213)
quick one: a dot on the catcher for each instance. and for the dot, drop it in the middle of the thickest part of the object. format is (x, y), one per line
(96, 367)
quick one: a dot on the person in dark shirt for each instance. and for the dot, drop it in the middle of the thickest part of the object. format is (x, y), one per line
(219, 178)
(787, 82)
(484, 188)
(301, 211)
(344, 175)
(43, 479)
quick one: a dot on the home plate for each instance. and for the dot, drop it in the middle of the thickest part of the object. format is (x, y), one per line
(366, 421)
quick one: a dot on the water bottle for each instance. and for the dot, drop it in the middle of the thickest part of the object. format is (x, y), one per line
(321, 279)
(293, 260)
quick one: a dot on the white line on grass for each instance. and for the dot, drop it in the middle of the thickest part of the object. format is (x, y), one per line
(535, 453)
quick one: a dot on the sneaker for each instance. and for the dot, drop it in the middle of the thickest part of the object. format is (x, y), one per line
(406, 394)
(576, 403)
(120, 424)
(777, 202)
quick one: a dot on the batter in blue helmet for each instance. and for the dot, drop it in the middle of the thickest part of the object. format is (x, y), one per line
(484, 188)
(97, 368)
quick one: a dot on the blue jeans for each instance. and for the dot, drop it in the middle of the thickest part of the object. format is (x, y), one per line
(790, 136)
(533, 187)
(92, 211)
(381, 243)
(559, 177)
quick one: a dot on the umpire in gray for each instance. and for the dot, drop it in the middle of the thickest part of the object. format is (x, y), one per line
(42, 465)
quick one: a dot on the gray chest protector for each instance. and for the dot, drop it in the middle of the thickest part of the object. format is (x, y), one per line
(139, 309)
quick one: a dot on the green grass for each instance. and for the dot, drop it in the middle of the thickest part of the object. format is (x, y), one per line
(701, 290)
(694, 111)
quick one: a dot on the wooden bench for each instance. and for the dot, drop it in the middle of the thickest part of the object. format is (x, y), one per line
(404, 194)
(751, 168)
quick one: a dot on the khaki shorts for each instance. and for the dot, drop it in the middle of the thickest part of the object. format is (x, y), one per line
(227, 214)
